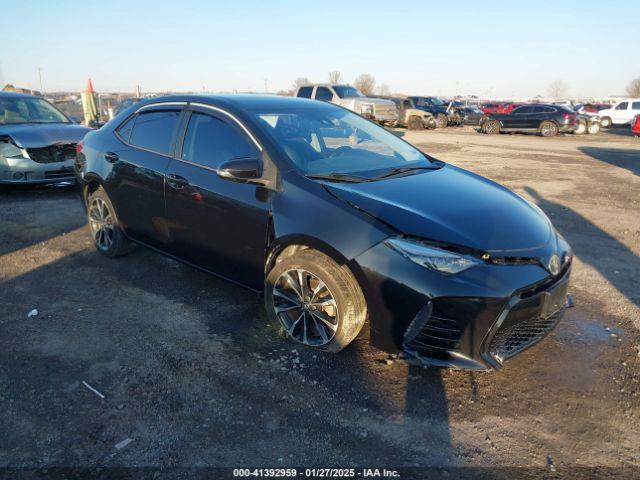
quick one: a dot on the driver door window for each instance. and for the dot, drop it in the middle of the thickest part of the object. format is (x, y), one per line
(210, 141)
(324, 94)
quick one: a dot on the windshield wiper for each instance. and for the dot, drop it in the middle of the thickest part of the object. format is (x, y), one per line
(399, 170)
(338, 177)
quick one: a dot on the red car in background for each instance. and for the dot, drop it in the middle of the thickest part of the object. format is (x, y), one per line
(508, 106)
(490, 107)
(596, 107)
(635, 126)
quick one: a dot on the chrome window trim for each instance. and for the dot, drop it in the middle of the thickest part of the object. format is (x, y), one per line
(240, 124)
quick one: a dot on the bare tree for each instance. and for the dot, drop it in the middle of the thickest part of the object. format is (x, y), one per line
(366, 83)
(383, 90)
(335, 76)
(633, 89)
(557, 89)
(300, 82)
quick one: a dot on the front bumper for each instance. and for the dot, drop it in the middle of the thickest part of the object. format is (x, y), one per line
(21, 171)
(473, 320)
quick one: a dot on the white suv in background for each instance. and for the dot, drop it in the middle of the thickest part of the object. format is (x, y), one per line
(621, 113)
(380, 110)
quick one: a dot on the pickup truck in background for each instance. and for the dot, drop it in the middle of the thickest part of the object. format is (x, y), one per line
(379, 110)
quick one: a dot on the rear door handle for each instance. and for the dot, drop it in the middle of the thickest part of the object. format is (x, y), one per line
(176, 181)
(111, 157)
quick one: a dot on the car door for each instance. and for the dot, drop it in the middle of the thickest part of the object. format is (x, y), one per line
(213, 222)
(516, 119)
(620, 113)
(140, 152)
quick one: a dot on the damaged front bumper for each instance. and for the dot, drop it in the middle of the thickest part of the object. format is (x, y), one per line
(17, 171)
(474, 320)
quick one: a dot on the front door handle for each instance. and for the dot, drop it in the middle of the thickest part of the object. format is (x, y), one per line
(111, 157)
(176, 181)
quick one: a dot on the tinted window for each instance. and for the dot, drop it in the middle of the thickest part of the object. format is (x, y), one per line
(154, 130)
(210, 141)
(522, 110)
(635, 106)
(346, 91)
(125, 129)
(305, 92)
(323, 93)
(622, 106)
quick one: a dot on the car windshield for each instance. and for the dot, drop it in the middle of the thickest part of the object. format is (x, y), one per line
(335, 141)
(29, 110)
(347, 92)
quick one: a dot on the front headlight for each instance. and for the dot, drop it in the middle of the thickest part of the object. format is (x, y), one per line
(9, 150)
(432, 257)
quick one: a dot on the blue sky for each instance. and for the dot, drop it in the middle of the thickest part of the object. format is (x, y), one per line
(490, 48)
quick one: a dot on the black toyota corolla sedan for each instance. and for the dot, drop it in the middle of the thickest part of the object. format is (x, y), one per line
(335, 219)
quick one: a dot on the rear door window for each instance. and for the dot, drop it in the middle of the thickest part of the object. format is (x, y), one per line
(155, 130)
(305, 92)
(210, 141)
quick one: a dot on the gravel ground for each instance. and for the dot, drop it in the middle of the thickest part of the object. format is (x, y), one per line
(194, 376)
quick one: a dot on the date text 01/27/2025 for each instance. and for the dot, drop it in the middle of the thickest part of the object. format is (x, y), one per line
(316, 473)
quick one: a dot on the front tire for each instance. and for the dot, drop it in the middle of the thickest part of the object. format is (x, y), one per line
(582, 128)
(317, 302)
(441, 120)
(594, 128)
(105, 228)
(548, 129)
(415, 123)
(491, 127)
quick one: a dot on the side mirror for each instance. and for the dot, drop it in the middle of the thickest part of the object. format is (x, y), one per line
(241, 169)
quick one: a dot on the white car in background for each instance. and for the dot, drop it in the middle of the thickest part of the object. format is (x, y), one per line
(379, 110)
(621, 113)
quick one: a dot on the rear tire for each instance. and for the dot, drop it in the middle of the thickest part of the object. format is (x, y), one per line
(581, 129)
(105, 229)
(317, 302)
(606, 122)
(548, 129)
(415, 123)
(594, 128)
(441, 120)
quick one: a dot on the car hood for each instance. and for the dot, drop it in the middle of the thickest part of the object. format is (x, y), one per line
(37, 135)
(454, 206)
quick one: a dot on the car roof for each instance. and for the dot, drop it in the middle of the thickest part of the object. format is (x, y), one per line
(4, 93)
(242, 101)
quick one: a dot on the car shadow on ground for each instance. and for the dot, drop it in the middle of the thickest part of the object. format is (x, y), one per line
(133, 328)
(628, 159)
(618, 130)
(612, 259)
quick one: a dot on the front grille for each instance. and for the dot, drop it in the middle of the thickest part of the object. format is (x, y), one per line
(517, 336)
(53, 154)
(62, 173)
(437, 335)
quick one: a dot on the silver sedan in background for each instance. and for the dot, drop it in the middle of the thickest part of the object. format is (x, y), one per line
(37, 141)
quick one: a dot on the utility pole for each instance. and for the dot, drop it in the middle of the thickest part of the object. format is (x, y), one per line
(40, 77)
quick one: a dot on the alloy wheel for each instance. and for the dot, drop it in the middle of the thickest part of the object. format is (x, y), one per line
(101, 224)
(306, 307)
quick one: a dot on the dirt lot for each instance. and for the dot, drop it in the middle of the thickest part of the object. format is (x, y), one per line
(194, 376)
